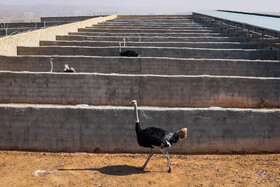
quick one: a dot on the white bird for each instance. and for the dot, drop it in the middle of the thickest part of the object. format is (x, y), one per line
(51, 61)
(67, 69)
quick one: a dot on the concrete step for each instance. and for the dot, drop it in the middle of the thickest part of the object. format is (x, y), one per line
(19, 25)
(150, 90)
(144, 65)
(221, 45)
(150, 27)
(112, 129)
(8, 31)
(176, 21)
(152, 38)
(178, 52)
(140, 35)
(145, 30)
(154, 19)
(117, 24)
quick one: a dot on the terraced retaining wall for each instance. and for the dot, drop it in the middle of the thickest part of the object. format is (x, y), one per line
(8, 45)
(144, 65)
(150, 90)
(111, 129)
(177, 52)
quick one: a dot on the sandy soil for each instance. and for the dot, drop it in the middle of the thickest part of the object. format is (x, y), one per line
(85, 169)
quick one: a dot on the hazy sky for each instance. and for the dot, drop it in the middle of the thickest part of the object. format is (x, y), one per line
(165, 5)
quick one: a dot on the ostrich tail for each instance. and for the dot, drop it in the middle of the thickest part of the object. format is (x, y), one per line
(183, 133)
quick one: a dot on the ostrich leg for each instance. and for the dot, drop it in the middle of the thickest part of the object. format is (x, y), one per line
(148, 159)
(168, 159)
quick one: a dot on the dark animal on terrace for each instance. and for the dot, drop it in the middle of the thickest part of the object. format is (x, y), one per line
(156, 137)
(129, 53)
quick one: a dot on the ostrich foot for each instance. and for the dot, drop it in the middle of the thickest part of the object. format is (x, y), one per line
(140, 168)
(169, 170)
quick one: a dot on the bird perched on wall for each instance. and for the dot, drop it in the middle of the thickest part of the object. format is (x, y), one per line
(129, 53)
(67, 69)
(51, 61)
(156, 137)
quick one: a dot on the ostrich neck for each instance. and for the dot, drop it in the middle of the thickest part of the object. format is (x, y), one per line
(136, 113)
(51, 67)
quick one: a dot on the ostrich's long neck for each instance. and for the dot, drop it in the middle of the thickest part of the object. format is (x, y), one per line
(136, 113)
(51, 66)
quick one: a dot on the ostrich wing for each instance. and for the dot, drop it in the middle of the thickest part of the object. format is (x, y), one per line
(158, 136)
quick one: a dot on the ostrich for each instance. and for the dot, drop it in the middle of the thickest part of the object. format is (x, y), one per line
(129, 53)
(67, 69)
(153, 136)
(51, 61)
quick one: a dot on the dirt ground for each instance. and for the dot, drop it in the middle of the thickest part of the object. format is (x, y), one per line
(86, 169)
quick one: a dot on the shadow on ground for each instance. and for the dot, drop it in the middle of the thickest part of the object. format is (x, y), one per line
(120, 170)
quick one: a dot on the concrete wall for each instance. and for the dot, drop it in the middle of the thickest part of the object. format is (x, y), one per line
(220, 45)
(151, 34)
(152, 16)
(151, 39)
(147, 30)
(108, 27)
(111, 129)
(177, 52)
(8, 45)
(147, 65)
(68, 18)
(114, 89)
(21, 24)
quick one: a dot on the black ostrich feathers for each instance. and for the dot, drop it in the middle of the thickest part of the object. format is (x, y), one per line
(130, 53)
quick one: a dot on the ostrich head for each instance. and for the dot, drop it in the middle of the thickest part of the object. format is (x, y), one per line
(51, 59)
(133, 102)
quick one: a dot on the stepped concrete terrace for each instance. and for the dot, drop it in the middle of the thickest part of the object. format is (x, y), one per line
(151, 39)
(11, 27)
(147, 34)
(177, 52)
(84, 128)
(224, 89)
(144, 65)
(225, 45)
(149, 90)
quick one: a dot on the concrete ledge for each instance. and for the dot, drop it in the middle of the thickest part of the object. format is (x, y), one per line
(111, 129)
(151, 39)
(135, 30)
(156, 20)
(177, 52)
(144, 65)
(221, 45)
(149, 90)
(152, 34)
(152, 24)
(157, 16)
(68, 18)
(8, 45)
(178, 27)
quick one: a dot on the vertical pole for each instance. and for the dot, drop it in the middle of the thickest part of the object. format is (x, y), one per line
(236, 29)
(215, 22)
(228, 27)
(248, 33)
(221, 25)
(262, 36)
